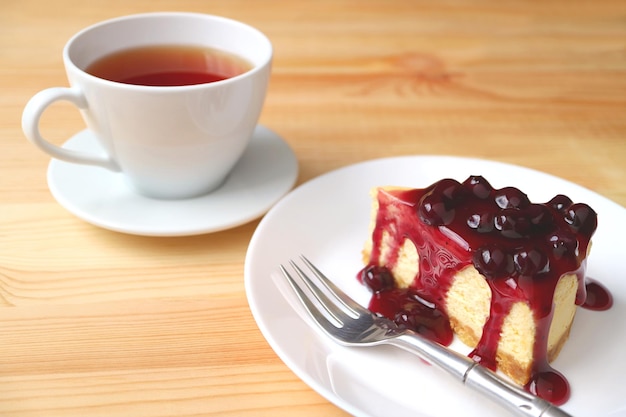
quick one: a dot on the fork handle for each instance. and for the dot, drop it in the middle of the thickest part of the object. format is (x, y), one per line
(477, 377)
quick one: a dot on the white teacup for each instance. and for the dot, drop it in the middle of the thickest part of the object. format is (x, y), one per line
(168, 141)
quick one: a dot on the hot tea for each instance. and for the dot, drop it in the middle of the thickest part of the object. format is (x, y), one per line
(178, 134)
(168, 66)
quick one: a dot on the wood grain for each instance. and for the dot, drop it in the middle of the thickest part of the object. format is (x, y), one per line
(99, 323)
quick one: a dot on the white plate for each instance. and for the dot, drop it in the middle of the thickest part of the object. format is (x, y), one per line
(327, 220)
(266, 171)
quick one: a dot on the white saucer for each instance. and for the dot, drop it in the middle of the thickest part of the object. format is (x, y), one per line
(267, 170)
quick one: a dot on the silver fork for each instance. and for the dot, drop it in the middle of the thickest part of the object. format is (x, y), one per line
(350, 324)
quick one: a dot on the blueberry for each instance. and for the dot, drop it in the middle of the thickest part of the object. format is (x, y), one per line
(450, 191)
(540, 218)
(512, 223)
(581, 218)
(493, 262)
(377, 278)
(531, 262)
(560, 202)
(563, 243)
(482, 223)
(479, 186)
(511, 197)
(429, 322)
(434, 211)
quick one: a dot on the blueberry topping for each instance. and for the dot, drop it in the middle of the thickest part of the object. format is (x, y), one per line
(521, 249)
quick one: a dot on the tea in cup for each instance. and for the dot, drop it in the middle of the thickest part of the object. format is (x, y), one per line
(172, 98)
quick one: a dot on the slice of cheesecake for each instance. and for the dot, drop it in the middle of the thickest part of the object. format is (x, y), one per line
(507, 274)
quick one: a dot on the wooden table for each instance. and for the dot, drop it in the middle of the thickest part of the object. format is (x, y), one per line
(99, 323)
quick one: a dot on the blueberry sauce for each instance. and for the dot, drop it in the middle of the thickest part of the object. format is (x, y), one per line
(521, 248)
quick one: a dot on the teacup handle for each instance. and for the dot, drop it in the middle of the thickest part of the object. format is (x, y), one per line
(30, 125)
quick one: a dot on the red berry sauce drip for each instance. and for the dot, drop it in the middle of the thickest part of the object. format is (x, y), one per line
(405, 307)
(598, 297)
(520, 248)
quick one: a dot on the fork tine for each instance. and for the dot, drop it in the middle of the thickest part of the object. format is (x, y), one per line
(310, 307)
(327, 304)
(355, 308)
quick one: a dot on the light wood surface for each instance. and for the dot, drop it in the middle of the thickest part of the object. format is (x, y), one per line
(99, 323)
